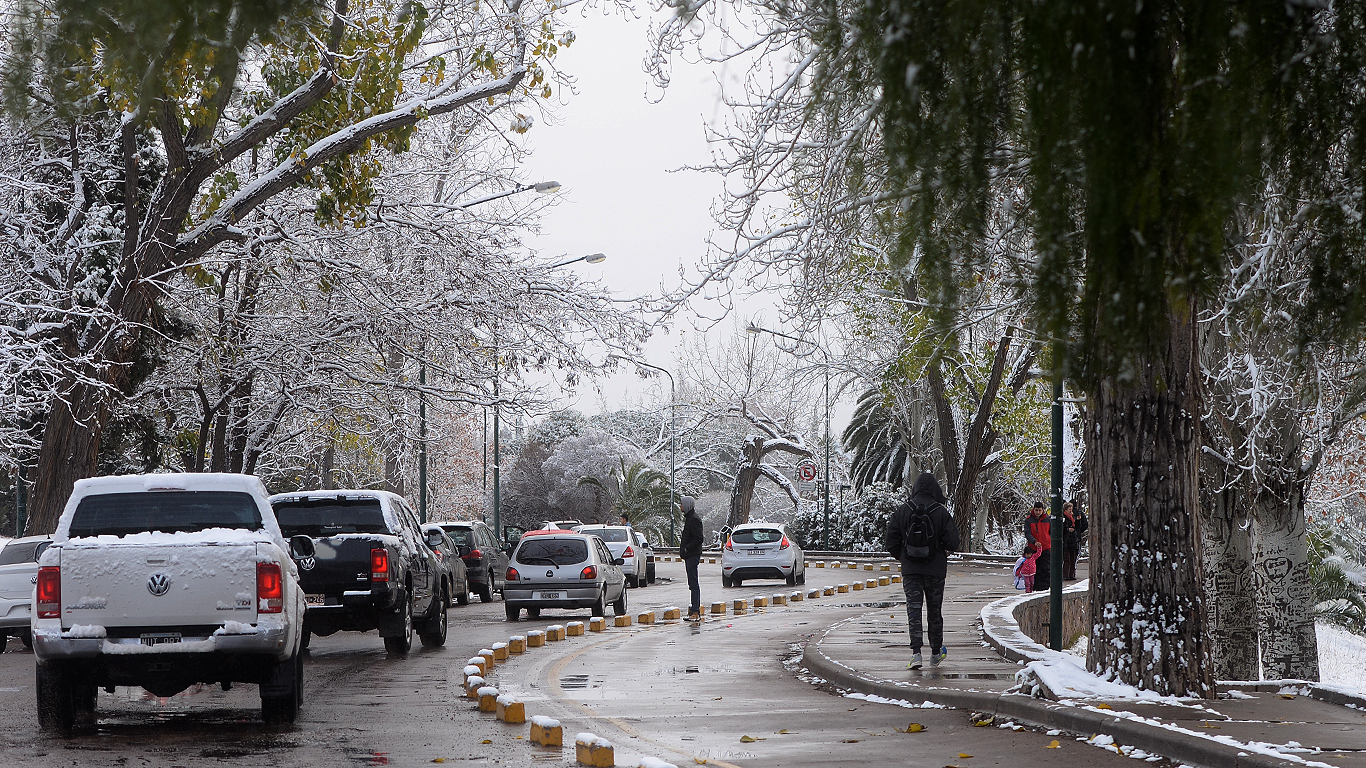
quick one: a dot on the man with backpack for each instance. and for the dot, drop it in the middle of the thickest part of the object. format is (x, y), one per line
(921, 533)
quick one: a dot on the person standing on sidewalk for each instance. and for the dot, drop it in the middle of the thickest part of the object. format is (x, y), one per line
(690, 549)
(921, 534)
(1037, 527)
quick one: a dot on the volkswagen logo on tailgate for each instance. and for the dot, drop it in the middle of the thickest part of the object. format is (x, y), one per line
(158, 584)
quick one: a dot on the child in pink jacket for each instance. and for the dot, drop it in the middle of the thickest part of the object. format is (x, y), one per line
(1025, 568)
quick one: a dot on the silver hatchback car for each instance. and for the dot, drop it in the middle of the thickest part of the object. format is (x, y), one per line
(761, 551)
(560, 569)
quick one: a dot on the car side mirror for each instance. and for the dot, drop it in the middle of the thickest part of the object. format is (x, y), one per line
(619, 561)
(301, 547)
(433, 539)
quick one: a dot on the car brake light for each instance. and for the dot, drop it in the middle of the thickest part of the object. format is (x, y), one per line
(475, 554)
(728, 545)
(513, 575)
(785, 543)
(270, 588)
(49, 592)
(589, 572)
(379, 564)
(629, 552)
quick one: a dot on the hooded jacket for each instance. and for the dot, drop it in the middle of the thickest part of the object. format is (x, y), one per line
(690, 545)
(925, 494)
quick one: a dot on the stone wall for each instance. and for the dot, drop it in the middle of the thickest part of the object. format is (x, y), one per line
(1032, 616)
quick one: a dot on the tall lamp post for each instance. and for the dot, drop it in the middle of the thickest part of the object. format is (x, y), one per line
(545, 188)
(592, 258)
(754, 328)
(673, 436)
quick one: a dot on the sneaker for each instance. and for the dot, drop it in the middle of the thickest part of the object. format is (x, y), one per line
(939, 655)
(917, 661)
(694, 616)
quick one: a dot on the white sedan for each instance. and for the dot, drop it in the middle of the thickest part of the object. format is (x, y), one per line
(620, 539)
(761, 551)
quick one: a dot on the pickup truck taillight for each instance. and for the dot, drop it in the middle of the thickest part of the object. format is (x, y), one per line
(379, 564)
(270, 588)
(513, 575)
(49, 592)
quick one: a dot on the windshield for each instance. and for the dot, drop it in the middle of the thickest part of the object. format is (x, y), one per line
(543, 551)
(119, 514)
(607, 534)
(327, 517)
(756, 536)
(463, 537)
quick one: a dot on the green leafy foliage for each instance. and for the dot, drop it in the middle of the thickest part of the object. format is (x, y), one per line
(1337, 579)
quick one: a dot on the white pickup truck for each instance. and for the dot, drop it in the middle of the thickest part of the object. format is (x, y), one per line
(164, 581)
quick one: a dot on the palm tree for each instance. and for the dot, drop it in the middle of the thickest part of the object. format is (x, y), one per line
(641, 493)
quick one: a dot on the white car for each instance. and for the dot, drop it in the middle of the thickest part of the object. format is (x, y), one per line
(18, 574)
(761, 551)
(621, 540)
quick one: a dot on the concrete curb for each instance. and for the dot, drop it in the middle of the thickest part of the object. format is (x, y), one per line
(1185, 748)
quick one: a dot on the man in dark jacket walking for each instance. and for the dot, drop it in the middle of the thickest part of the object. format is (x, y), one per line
(690, 549)
(921, 533)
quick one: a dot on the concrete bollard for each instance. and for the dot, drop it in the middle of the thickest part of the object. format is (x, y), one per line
(828, 591)
(896, 578)
(472, 686)
(883, 581)
(500, 651)
(820, 563)
(546, 732)
(594, 751)
(472, 671)
(554, 633)
(856, 586)
(867, 566)
(759, 602)
(842, 588)
(851, 566)
(711, 560)
(622, 621)
(718, 608)
(812, 594)
(478, 661)
(535, 638)
(778, 599)
(886, 567)
(511, 710)
(739, 606)
(795, 597)
(517, 644)
(834, 565)
(597, 624)
(488, 699)
(487, 655)
(672, 614)
(647, 617)
(574, 629)
(870, 584)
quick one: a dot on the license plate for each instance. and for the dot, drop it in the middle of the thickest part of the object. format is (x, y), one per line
(756, 551)
(549, 596)
(315, 599)
(158, 638)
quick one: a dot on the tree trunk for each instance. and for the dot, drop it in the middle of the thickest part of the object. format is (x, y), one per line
(1147, 602)
(1227, 553)
(746, 476)
(70, 451)
(1285, 596)
(329, 459)
(981, 439)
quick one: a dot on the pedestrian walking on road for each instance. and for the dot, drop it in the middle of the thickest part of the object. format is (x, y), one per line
(921, 534)
(1037, 528)
(690, 549)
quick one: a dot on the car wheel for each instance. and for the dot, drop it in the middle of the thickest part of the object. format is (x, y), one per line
(533, 613)
(650, 573)
(284, 709)
(434, 634)
(801, 577)
(463, 596)
(791, 579)
(619, 607)
(26, 637)
(736, 581)
(305, 639)
(83, 698)
(513, 612)
(600, 607)
(486, 591)
(725, 580)
(4, 640)
(404, 642)
(631, 582)
(56, 705)
(642, 581)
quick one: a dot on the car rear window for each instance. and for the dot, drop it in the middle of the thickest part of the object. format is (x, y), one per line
(461, 536)
(119, 514)
(17, 552)
(546, 551)
(756, 536)
(607, 534)
(327, 517)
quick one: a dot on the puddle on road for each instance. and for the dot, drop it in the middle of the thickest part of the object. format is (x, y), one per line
(886, 604)
(572, 682)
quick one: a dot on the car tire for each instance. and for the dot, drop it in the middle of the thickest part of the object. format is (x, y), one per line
(56, 704)
(84, 698)
(631, 582)
(619, 607)
(725, 580)
(434, 633)
(4, 640)
(486, 590)
(650, 573)
(402, 643)
(513, 612)
(284, 709)
(533, 613)
(305, 639)
(463, 596)
(801, 577)
(642, 581)
(600, 607)
(736, 581)
(26, 637)
(791, 579)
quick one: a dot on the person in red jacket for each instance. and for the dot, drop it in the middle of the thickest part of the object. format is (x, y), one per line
(1036, 530)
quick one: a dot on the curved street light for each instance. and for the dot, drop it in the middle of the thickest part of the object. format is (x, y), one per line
(673, 435)
(592, 258)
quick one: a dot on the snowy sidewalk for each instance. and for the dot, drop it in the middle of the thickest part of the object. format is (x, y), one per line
(1269, 725)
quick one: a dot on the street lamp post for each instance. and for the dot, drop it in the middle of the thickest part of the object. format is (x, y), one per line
(753, 328)
(673, 437)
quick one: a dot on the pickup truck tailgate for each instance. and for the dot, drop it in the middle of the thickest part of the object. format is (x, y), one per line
(141, 585)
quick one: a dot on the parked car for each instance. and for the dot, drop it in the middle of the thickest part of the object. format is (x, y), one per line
(485, 559)
(560, 525)
(563, 570)
(621, 541)
(18, 574)
(761, 551)
(449, 555)
(644, 545)
(164, 581)
(372, 571)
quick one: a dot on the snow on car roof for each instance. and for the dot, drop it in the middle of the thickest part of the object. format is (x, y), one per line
(170, 481)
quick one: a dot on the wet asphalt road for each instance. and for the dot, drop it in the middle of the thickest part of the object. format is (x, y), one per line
(680, 693)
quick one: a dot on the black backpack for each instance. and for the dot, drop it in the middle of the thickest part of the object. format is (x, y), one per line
(919, 534)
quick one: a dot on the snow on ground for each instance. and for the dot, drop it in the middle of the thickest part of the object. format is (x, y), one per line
(1340, 655)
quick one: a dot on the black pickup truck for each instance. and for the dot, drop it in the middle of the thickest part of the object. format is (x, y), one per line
(371, 568)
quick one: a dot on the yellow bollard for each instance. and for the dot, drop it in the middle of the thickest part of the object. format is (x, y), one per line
(673, 613)
(867, 566)
(510, 710)
(594, 751)
(883, 581)
(760, 602)
(795, 597)
(574, 628)
(546, 732)
(472, 686)
(535, 638)
(828, 591)
(500, 651)
(488, 699)
(812, 594)
(739, 606)
(597, 624)
(856, 586)
(622, 621)
(718, 608)
(886, 567)
(779, 599)
(834, 565)
(842, 588)
(554, 633)
(871, 583)
(896, 578)
(472, 670)
(478, 661)
(487, 655)
(517, 644)
(820, 563)
(647, 617)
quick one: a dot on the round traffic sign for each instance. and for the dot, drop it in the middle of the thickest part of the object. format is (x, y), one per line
(806, 471)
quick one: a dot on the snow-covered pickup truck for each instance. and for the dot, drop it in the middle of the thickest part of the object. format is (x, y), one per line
(164, 581)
